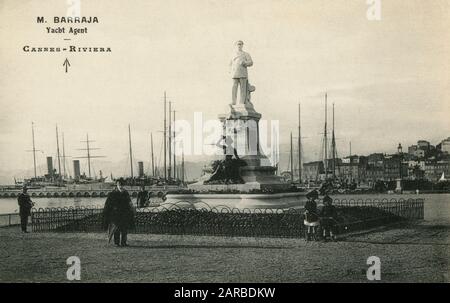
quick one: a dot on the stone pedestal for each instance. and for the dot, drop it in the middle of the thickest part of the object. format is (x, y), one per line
(243, 121)
(242, 125)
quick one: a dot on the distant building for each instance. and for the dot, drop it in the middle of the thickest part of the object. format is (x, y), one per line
(375, 160)
(349, 172)
(412, 149)
(395, 168)
(420, 150)
(420, 153)
(423, 161)
(313, 170)
(416, 169)
(424, 145)
(434, 169)
(374, 173)
(416, 163)
(445, 145)
(353, 169)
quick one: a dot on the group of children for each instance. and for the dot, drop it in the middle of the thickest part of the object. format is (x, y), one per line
(325, 219)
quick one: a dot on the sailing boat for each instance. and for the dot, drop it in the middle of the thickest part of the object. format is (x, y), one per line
(442, 179)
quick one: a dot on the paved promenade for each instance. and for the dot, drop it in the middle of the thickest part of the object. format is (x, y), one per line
(415, 253)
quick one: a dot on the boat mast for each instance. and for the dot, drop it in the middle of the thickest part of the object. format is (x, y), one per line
(292, 161)
(299, 145)
(326, 139)
(34, 150)
(165, 137)
(57, 151)
(174, 150)
(276, 159)
(131, 152)
(153, 158)
(88, 149)
(169, 172)
(182, 165)
(88, 154)
(333, 146)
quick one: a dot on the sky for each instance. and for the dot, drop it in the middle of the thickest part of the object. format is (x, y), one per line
(388, 79)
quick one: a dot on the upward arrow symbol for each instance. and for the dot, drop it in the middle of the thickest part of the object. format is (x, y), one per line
(66, 64)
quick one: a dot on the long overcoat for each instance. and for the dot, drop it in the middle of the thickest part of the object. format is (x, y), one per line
(25, 204)
(119, 210)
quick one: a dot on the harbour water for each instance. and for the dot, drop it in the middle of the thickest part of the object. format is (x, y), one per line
(437, 206)
(9, 205)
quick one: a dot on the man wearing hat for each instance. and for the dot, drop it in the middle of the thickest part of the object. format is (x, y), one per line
(311, 221)
(25, 205)
(142, 197)
(328, 218)
(118, 215)
(238, 70)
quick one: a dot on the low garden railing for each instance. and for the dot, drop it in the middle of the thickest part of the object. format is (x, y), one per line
(201, 219)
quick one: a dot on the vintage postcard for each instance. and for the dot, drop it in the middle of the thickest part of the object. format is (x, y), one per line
(225, 141)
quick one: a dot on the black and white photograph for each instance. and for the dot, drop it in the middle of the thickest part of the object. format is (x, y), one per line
(223, 141)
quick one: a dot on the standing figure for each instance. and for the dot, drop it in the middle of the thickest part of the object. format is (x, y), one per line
(25, 205)
(238, 70)
(118, 215)
(142, 198)
(328, 218)
(311, 221)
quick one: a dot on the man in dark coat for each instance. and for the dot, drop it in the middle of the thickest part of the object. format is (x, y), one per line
(118, 215)
(25, 205)
(142, 198)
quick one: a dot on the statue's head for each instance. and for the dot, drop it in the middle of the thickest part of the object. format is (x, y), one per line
(239, 44)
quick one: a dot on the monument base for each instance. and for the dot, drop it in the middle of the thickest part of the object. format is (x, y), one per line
(248, 187)
(239, 201)
(264, 176)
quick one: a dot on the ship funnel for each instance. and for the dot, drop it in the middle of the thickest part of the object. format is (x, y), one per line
(76, 169)
(50, 166)
(141, 168)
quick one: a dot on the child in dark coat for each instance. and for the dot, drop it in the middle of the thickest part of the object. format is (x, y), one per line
(311, 221)
(328, 217)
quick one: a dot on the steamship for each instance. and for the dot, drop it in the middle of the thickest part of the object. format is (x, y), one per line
(54, 179)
